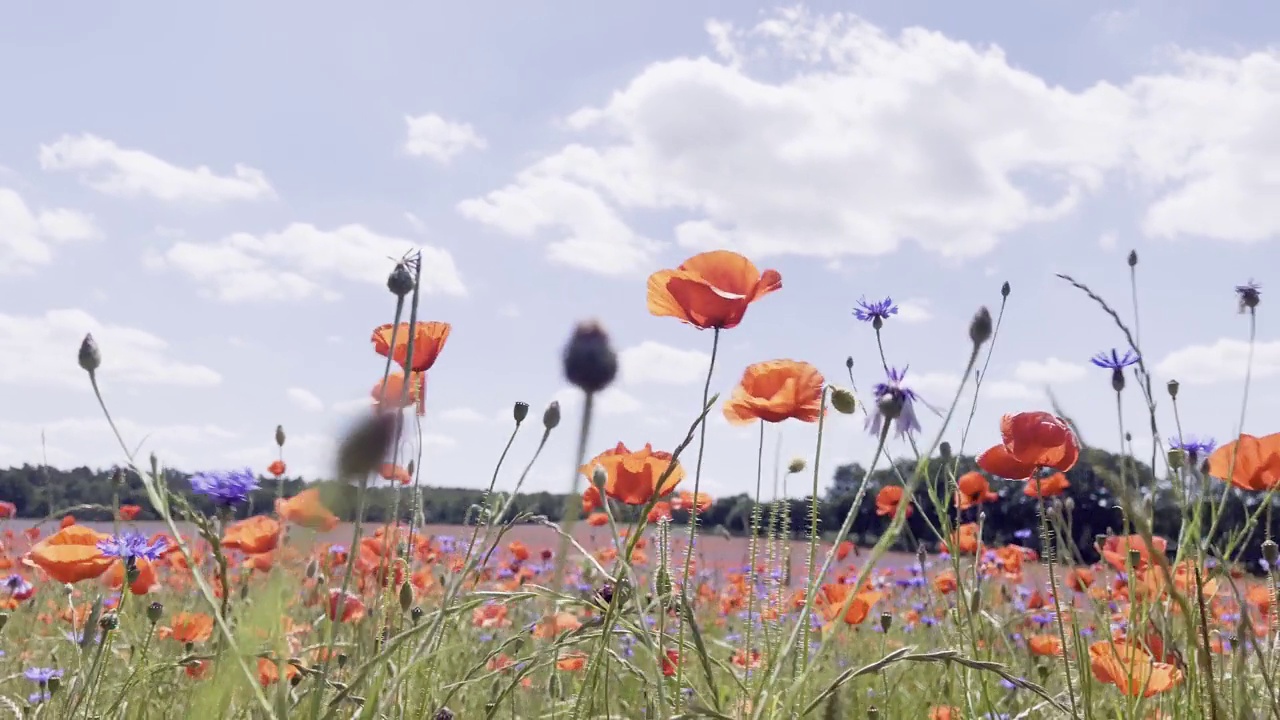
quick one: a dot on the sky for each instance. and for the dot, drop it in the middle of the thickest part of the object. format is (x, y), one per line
(216, 191)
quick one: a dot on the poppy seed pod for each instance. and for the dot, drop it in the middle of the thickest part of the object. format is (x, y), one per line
(363, 449)
(1173, 389)
(154, 611)
(980, 327)
(551, 416)
(886, 621)
(279, 436)
(1004, 289)
(90, 356)
(1133, 258)
(520, 411)
(590, 362)
(416, 613)
(400, 281)
(843, 401)
(848, 363)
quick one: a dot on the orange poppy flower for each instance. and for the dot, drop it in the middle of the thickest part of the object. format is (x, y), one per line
(832, 597)
(518, 550)
(888, 499)
(345, 607)
(710, 290)
(964, 541)
(67, 521)
(846, 547)
(1044, 645)
(945, 582)
(572, 661)
(775, 391)
(591, 500)
(391, 394)
(1131, 669)
(395, 473)
(129, 512)
(305, 509)
(142, 585)
(191, 627)
(686, 501)
(633, 476)
(1079, 579)
(428, 341)
(1249, 463)
(1054, 485)
(597, 519)
(1115, 550)
(973, 490)
(71, 554)
(1031, 440)
(660, 510)
(276, 468)
(257, 534)
(269, 673)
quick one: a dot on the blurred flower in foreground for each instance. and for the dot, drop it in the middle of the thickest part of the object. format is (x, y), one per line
(894, 403)
(225, 487)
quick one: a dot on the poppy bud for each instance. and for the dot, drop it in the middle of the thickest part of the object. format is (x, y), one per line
(443, 713)
(1133, 258)
(797, 465)
(90, 356)
(944, 450)
(311, 569)
(980, 327)
(551, 416)
(1271, 553)
(1004, 289)
(589, 360)
(279, 436)
(975, 600)
(886, 621)
(520, 411)
(848, 363)
(1069, 504)
(408, 468)
(406, 597)
(416, 614)
(1173, 389)
(154, 611)
(1176, 456)
(843, 401)
(400, 281)
(54, 684)
(4, 619)
(363, 449)
(663, 583)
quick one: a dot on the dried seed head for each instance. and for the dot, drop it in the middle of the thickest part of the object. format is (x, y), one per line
(1004, 289)
(590, 362)
(1133, 258)
(551, 416)
(980, 327)
(279, 436)
(520, 411)
(90, 356)
(1173, 389)
(843, 401)
(797, 465)
(848, 363)
(363, 449)
(400, 281)
(109, 622)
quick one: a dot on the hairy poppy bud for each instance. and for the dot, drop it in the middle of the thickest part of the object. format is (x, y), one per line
(797, 465)
(843, 401)
(154, 611)
(980, 328)
(921, 554)
(400, 281)
(551, 416)
(599, 477)
(589, 360)
(365, 446)
(279, 436)
(1133, 258)
(312, 568)
(90, 356)
(1176, 457)
(520, 411)
(406, 597)
(1004, 289)
(886, 621)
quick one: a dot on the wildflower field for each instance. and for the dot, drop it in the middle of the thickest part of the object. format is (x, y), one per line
(241, 602)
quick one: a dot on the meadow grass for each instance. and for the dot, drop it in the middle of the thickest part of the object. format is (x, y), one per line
(259, 618)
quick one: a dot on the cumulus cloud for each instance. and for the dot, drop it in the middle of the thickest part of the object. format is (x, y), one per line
(305, 399)
(654, 363)
(124, 172)
(438, 139)
(1222, 361)
(302, 262)
(28, 236)
(1048, 372)
(862, 143)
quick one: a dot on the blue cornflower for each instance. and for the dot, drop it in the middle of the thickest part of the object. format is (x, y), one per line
(1249, 295)
(131, 544)
(226, 487)
(1114, 360)
(875, 312)
(17, 585)
(894, 403)
(41, 675)
(1194, 449)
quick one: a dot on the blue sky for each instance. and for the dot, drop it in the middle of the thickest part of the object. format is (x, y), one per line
(213, 191)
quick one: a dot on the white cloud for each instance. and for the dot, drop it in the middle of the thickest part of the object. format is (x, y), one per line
(1108, 240)
(302, 262)
(42, 350)
(1048, 372)
(434, 137)
(1223, 361)
(939, 388)
(862, 143)
(653, 362)
(305, 399)
(71, 442)
(464, 415)
(113, 170)
(28, 237)
(915, 310)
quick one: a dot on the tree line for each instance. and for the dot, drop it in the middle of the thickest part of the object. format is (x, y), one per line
(1088, 505)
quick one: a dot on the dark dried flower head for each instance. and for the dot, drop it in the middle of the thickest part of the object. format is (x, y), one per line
(848, 363)
(363, 449)
(154, 611)
(980, 327)
(1249, 295)
(1004, 289)
(1133, 258)
(551, 416)
(400, 282)
(590, 362)
(1173, 389)
(90, 356)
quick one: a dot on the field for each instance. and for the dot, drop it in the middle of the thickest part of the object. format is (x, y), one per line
(290, 612)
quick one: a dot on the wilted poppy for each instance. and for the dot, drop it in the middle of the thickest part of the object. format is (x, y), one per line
(633, 476)
(775, 391)
(1031, 440)
(72, 554)
(428, 341)
(305, 509)
(1249, 463)
(710, 290)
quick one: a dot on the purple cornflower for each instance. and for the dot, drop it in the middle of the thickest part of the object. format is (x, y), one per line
(1114, 360)
(894, 403)
(875, 312)
(1249, 295)
(1194, 449)
(17, 585)
(131, 544)
(41, 675)
(226, 487)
